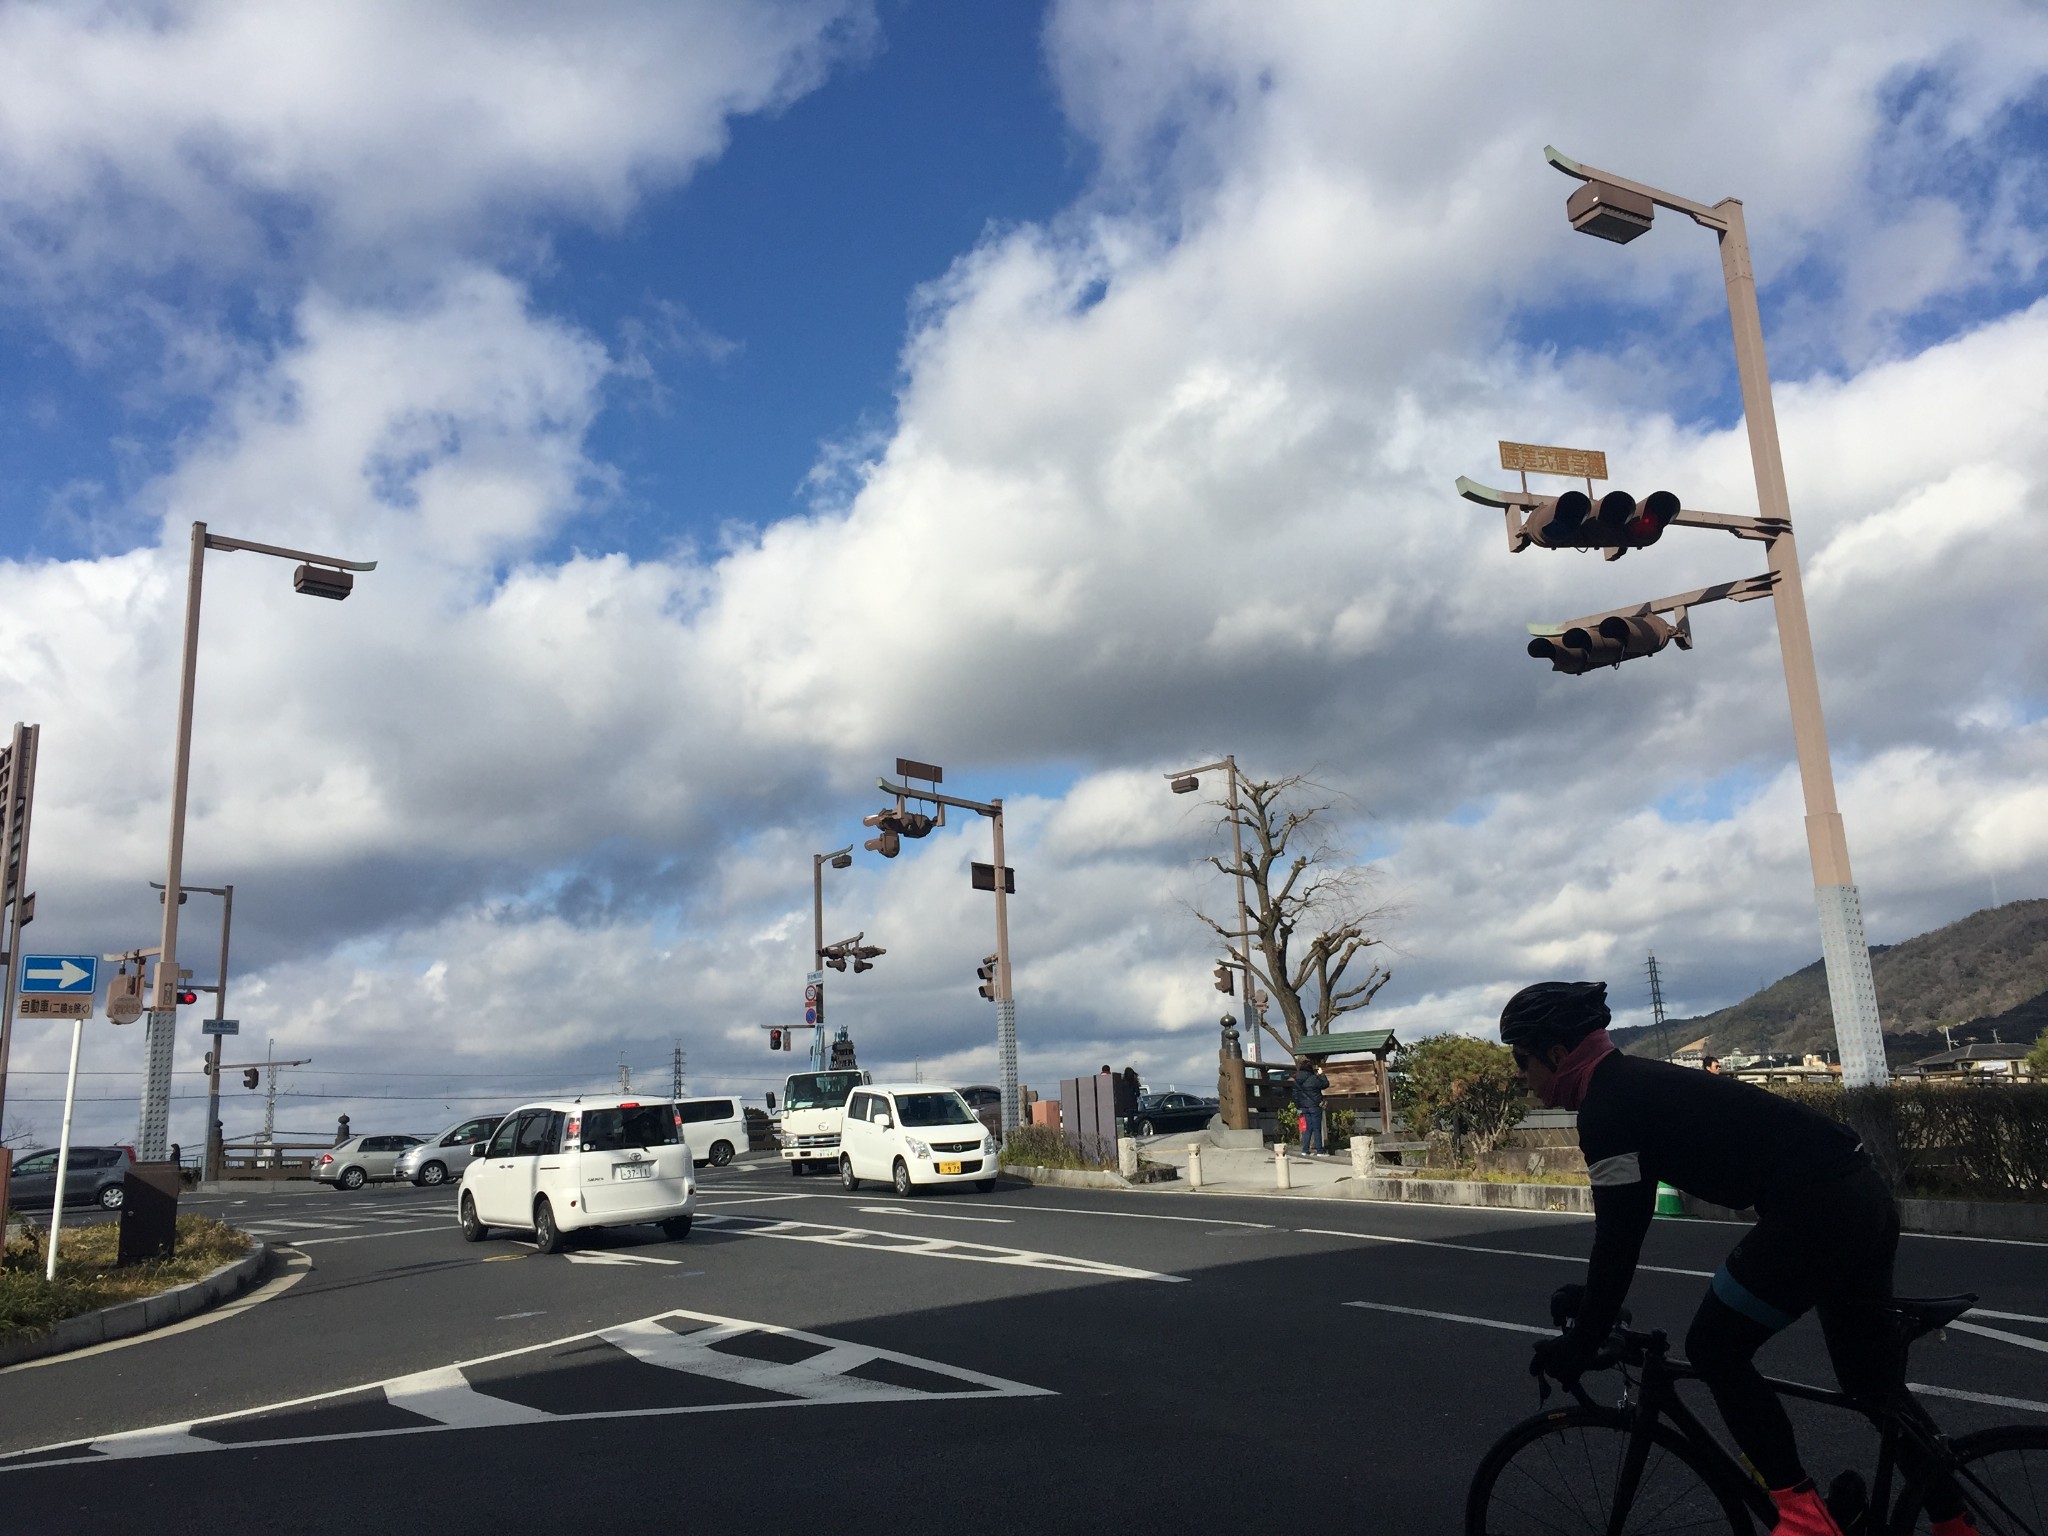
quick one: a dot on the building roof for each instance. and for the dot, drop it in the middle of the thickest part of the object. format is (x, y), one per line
(1983, 1051)
(1348, 1043)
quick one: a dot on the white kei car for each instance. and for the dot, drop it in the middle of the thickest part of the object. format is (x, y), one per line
(556, 1168)
(913, 1136)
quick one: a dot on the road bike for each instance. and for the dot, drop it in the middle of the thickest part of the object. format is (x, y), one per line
(1647, 1466)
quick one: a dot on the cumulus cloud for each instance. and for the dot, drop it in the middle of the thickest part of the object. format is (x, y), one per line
(1170, 476)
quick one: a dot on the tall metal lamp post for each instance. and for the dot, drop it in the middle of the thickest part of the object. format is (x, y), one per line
(1186, 782)
(1617, 209)
(317, 576)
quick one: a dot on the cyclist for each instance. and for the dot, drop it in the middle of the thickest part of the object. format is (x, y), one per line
(1825, 1238)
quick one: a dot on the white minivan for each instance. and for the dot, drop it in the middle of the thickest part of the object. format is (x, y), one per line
(715, 1128)
(913, 1135)
(555, 1168)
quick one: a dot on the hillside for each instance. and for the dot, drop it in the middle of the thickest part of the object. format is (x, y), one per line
(1984, 973)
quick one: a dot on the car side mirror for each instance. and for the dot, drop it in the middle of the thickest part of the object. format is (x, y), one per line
(476, 1148)
(885, 1123)
(771, 1103)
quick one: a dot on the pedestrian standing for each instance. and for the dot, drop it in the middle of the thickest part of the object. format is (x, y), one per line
(1309, 1086)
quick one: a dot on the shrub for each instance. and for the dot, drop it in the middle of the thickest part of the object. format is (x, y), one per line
(1041, 1146)
(1952, 1140)
(1466, 1089)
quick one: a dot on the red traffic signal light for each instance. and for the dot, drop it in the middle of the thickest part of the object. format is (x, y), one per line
(1608, 643)
(1226, 983)
(250, 1077)
(187, 995)
(774, 1039)
(1618, 522)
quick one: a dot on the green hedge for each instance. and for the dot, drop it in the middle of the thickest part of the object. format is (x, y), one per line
(1948, 1141)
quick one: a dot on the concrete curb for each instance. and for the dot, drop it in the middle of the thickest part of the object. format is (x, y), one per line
(1479, 1192)
(132, 1317)
(1070, 1178)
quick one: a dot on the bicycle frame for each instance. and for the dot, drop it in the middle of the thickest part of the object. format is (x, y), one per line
(1657, 1398)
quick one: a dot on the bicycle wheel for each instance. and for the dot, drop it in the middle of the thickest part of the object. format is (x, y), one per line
(1556, 1474)
(2002, 1475)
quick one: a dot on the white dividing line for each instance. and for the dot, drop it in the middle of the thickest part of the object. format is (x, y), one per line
(753, 1200)
(308, 1242)
(1990, 1398)
(450, 1400)
(1448, 1317)
(1081, 1210)
(2008, 1317)
(1498, 1253)
(2001, 1335)
(900, 1210)
(599, 1256)
(874, 1241)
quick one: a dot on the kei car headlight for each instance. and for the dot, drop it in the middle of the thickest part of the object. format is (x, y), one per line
(920, 1148)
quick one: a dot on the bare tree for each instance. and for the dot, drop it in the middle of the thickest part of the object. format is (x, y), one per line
(1311, 911)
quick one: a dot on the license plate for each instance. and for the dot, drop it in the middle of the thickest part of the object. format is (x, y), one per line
(632, 1170)
(949, 1167)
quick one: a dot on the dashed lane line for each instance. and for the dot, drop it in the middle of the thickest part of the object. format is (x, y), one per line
(683, 1362)
(904, 1210)
(1022, 1209)
(875, 1241)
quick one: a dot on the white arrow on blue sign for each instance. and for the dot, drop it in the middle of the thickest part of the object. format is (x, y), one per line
(59, 975)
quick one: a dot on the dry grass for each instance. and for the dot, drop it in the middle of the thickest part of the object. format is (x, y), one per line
(88, 1278)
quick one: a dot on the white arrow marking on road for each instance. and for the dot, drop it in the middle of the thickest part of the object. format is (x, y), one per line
(897, 1210)
(66, 974)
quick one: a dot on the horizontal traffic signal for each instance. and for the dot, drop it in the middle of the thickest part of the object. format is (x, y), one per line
(864, 956)
(1607, 644)
(1617, 522)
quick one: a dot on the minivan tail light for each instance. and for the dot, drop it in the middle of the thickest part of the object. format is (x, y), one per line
(630, 1104)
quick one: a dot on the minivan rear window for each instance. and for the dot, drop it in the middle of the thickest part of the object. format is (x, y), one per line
(621, 1130)
(708, 1109)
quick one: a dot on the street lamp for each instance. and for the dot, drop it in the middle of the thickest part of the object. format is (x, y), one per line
(1186, 782)
(316, 576)
(1617, 209)
(209, 1158)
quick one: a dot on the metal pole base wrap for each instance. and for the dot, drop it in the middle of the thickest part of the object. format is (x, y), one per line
(152, 1132)
(1006, 1054)
(1851, 992)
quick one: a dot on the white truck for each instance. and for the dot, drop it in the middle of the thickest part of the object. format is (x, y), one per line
(813, 1108)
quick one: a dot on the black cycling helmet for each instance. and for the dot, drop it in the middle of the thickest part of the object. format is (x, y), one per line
(1554, 1013)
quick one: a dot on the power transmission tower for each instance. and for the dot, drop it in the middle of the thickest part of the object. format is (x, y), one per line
(270, 1093)
(677, 1072)
(625, 1078)
(1657, 1009)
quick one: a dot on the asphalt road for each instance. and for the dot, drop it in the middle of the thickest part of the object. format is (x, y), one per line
(1033, 1359)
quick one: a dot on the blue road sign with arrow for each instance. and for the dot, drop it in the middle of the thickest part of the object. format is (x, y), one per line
(59, 975)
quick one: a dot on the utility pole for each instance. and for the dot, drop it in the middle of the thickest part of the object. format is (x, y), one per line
(1657, 1009)
(17, 800)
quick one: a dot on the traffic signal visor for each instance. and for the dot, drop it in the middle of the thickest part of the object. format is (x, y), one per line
(1608, 643)
(1617, 522)
(250, 1077)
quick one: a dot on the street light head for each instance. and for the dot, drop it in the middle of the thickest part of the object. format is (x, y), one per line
(1186, 784)
(842, 861)
(322, 581)
(1611, 212)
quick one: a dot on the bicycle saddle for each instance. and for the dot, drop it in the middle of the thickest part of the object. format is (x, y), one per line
(1923, 1314)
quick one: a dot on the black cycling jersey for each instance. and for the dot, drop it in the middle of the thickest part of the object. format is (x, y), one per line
(1645, 1122)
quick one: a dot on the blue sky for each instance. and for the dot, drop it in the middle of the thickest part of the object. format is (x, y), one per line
(1065, 393)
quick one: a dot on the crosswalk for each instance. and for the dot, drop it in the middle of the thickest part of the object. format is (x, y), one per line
(675, 1362)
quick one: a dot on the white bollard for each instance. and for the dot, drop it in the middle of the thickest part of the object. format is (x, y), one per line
(1127, 1157)
(1280, 1166)
(1361, 1156)
(1194, 1167)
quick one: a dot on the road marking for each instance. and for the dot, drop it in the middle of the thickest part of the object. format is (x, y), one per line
(899, 1210)
(599, 1256)
(2001, 1335)
(765, 1365)
(1081, 1210)
(1499, 1253)
(926, 1247)
(2010, 1317)
(309, 1242)
(1447, 1317)
(754, 1200)
(298, 1266)
(1990, 1398)
(507, 1317)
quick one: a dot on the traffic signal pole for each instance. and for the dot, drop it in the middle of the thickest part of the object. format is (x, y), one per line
(1852, 993)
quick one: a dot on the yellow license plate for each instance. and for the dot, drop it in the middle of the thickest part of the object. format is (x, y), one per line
(949, 1167)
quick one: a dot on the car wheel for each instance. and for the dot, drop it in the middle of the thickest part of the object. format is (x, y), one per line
(473, 1231)
(721, 1153)
(112, 1197)
(547, 1237)
(901, 1178)
(1145, 1128)
(677, 1227)
(433, 1173)
(846, 1172)
(984, 1186)
(352, 1178)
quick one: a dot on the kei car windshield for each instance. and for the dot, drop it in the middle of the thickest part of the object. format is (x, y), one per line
(934, 1109)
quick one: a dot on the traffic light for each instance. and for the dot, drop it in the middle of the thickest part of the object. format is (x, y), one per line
(1607, 644)
(1617, 523)
(251, 1077)
(789, 1039)
(187, 995)
(888, 838)
(774, 1039)
(864, 957)
(1226, 983)
(914, 823)
(837, 962)
(987, 972)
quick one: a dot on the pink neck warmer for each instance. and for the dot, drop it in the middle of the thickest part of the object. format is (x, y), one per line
(1568, 1083)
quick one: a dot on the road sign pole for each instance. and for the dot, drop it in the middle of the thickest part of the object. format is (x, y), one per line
(17, 800)
(63, 1151)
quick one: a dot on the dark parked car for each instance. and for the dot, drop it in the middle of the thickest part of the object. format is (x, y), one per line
(987, 1103)
(1160, 1113)
(93, 1174)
